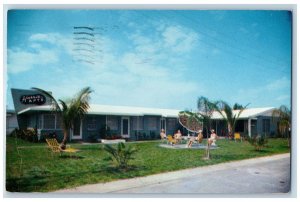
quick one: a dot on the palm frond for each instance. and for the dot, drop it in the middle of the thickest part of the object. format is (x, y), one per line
(283, 116)
(205, 107)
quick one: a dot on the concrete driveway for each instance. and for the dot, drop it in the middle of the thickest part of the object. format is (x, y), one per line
(254, 176)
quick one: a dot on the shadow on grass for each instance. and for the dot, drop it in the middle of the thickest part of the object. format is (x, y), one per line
(37, 181)
(114, 169)
(234, 157)
(25, 184)
(92, 148)
(71, 157)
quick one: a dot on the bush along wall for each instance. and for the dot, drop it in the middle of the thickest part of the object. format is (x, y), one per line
(25, 134)
(31, 135)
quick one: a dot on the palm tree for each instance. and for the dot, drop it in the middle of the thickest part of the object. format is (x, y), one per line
(237, 106)
(229, 116)
(206, 109)
(70, 110)
(283, 116)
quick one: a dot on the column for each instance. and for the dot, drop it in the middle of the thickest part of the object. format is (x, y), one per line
(249, 127)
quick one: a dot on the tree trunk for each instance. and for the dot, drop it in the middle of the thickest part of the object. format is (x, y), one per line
(230, 132)
(207, 151)
(64, 142)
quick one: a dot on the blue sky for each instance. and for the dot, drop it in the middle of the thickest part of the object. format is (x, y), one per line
(161, 58)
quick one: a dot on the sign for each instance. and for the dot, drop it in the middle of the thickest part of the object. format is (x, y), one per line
(37, 99)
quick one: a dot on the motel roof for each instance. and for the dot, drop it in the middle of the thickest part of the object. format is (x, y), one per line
(115, 110)
(142, 111)
(248, 113)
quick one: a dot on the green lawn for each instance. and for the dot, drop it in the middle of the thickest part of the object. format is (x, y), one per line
(30, 167)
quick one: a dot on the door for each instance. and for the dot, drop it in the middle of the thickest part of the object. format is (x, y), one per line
(125, 127)
(77, 130)
(163, 124)
(253, 127)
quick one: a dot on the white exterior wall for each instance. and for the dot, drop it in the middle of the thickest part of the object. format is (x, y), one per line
(11, 123)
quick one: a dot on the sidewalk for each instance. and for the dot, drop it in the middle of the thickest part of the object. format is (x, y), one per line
(207, 174)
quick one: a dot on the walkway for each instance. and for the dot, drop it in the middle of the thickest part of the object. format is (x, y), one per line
(253, 176)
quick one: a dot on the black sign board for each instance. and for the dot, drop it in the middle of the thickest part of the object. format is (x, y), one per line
(37, 99)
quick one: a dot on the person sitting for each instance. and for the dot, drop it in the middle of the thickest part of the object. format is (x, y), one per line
(190, 142)
(163, 135)
(178, 136)
(199, 139)
(213, 138)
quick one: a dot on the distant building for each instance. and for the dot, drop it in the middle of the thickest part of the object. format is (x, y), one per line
(11, 121)
(132, 123)
(252, 121)
(33, 110)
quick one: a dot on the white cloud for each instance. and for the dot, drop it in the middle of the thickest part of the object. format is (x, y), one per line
(147, 74)
(20, 60)
(274, 92)
(50, 38)
(278, 84)
(283, 98)
(180, 39)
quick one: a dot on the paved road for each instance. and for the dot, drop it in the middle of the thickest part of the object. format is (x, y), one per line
(253, 176)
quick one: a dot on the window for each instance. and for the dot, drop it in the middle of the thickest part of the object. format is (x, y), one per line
(32, 122)
(171, 124)
(40, 121)
(58, 122)
(112, 122)
(152, 124)
(137, 123)
(92, 124)
(239, 127)
(266, 126)
(49, 121)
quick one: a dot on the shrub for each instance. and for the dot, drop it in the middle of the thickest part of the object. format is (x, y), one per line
(26, 134)
(105, 132)
(121, 154)
(30, 135)
(258, 142)
(16, 133)
(152, 135)
(93, 137)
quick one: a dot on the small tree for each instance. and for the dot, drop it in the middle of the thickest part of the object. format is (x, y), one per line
(258, 142)
(283, 116)
(121, 154)
(206, 109)
(237, 106)
(70, 110)
(229, 116)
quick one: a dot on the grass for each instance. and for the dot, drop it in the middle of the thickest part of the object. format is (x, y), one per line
(31, 167)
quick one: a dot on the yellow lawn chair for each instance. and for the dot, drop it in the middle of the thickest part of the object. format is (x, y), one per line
(171, 140)
(55, 148)
(237, 136)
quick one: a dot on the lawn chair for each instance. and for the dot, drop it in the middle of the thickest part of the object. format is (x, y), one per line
(171, 140)
(178, 140)
(199, 138)
(55, 148)
(237, 136)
